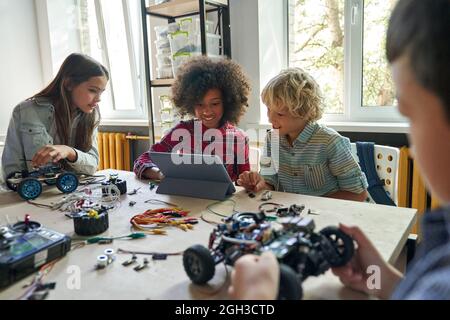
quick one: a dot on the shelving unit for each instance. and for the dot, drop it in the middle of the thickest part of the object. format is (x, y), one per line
(170, 11)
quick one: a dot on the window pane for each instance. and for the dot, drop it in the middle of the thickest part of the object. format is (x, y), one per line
(91, 44)
(378, 88)
(119, 60)
(316, 44)
(113, 53)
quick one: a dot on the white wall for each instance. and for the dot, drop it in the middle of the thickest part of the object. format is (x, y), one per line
(258, 33)
(245, 49)
(20, 63)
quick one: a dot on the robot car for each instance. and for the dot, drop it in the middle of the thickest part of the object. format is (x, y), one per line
(300, 251)
(29, 183)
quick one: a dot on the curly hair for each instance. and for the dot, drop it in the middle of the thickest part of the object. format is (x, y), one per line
(200, 74)
(298, 91)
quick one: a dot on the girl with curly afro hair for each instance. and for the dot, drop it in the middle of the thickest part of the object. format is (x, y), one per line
(214, 93)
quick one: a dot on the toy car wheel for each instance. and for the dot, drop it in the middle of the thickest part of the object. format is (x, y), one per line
(342, 243)
(290, 286)
(67, 182)
(198, 264)
(12, 186)
(29, 188)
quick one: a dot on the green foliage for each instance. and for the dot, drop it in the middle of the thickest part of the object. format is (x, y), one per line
(317, 49)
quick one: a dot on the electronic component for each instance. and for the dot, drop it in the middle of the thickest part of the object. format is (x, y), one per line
(266, 196)
(92, 222)
(142, 266)
(300, 251)
(26, 246)
(130, 262)
(120, 184)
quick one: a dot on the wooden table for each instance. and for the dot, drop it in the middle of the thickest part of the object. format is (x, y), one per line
(388, 228)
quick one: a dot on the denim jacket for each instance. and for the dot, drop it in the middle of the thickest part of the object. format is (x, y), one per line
(31, 127)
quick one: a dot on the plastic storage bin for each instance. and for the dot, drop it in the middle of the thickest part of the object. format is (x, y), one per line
(212, 43)
(180, 58)
(164, 72)
(173, 27)
(183, 42)
(162, 46)
(193, 25)
(163, 59)
(161, 32)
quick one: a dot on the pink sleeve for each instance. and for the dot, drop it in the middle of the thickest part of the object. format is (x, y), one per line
(166, 145)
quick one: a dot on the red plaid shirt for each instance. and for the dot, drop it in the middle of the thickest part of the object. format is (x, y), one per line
(237, 141)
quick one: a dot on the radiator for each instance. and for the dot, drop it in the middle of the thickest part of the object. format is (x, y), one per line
(412, 191)
(114, 150)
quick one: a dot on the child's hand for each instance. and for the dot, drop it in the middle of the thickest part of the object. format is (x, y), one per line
(355, 274)
(152, 173)
(255, 277)
(251, 181)
(51, 153)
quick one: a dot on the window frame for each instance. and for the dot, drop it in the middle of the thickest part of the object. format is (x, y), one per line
(138, 81)
(54, 55)
(354, 110)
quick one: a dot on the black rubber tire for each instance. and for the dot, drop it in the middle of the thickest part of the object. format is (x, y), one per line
(25, 192)
(199, 264)
(11, 186)
(342, 243)
(290, 287)
(60, 182)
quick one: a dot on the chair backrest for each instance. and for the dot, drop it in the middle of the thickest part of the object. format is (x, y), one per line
(254, 155)
(386, 162)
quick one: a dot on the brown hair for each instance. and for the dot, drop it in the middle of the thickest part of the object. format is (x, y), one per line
(75, 69)
(200, 74)
(297, 91)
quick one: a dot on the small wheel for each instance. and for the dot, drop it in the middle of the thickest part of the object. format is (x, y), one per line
(67, 182)
(290, 286)
(199, 264)
(343, 245)
(29, 188)
(12, 186)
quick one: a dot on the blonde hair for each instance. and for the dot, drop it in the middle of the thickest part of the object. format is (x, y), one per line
(298, 91)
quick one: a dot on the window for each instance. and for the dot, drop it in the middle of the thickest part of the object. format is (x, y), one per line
(110, 32)
(342, 44)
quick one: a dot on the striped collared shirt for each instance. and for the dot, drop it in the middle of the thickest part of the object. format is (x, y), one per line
(318, 163)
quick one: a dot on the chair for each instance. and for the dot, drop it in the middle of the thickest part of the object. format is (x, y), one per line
(387, 163)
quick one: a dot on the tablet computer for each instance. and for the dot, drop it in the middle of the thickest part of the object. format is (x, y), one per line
(193, 175)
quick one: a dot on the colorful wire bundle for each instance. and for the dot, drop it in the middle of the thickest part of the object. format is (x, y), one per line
(153, 221)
